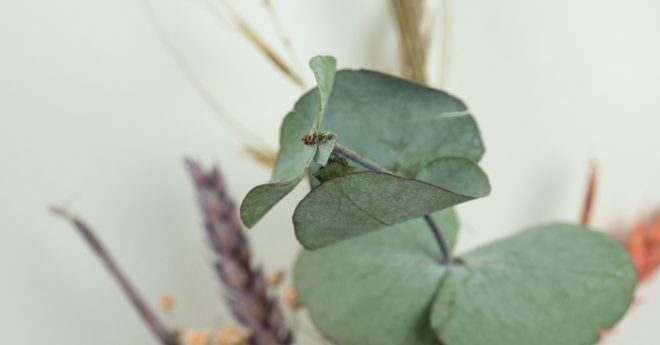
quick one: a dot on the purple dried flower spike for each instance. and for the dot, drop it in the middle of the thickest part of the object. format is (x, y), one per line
(245, 285)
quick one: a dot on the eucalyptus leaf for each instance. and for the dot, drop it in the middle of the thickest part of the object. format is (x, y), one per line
(378, 288)
(324, 149)
(324, 72)
(399, 124)
(294, 156)
(553, 284)
(355, 204)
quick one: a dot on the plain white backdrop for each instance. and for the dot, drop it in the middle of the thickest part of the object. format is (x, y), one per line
(93, 110)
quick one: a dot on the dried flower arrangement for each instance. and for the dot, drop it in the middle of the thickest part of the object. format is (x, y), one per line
(370, 262)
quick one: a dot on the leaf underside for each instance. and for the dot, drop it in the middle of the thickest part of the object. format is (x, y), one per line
(554, 284)
(376, 289)
(355, 204)
(294, 156)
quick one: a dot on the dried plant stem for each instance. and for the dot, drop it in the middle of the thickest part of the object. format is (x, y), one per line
(446, 44)
(360, 159)
(252, 142)
(286, 41)
(242, 26)
(589, 197)
(245, 285)
(373, 166)
(158, 329)
(413, 51)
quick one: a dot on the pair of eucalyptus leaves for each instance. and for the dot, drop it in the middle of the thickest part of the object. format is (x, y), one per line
(372, 271)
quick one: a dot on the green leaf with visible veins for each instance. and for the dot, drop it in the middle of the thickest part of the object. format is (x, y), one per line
(376, 289)
(355, 204)
(553, 284)
(398, 124)
(294, 156)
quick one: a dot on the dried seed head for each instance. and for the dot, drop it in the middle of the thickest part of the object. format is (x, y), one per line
(265, 337)
(249, 310)
(290, 296)
(234, 274)
(230, 335)
(258, 285)
(193, 337)
(166, 302)
(275, 279)
(275, 318)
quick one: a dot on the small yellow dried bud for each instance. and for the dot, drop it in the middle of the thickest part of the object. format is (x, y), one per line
(290, 296)
(275, 279)
(231, 335)
(193, 337)
(166, 302)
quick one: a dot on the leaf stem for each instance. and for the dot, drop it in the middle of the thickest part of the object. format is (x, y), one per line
(373, 166)
(438, 237)
(359, 159)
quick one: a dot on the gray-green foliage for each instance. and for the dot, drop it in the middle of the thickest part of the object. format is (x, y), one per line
(557, 284)
(377, 288)
(554, 284)
(358, 203)
(294, 156)
(400, 125)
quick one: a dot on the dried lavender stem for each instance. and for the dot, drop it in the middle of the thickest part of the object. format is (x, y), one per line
(373, 166)
(165, 337)
(245, 285)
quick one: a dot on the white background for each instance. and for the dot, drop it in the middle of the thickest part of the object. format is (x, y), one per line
(93, 109)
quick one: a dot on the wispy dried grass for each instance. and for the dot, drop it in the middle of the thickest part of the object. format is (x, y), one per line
(225, 13)
(409, 15)
(252, 143)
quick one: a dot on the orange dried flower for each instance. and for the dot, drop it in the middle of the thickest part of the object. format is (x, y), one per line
(275, 279)
(231, 335)
(166, 302)
(643, 245)
(193, 337)
(290, 296)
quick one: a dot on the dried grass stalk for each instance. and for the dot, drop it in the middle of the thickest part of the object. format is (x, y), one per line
(157, 327)
(413, 44)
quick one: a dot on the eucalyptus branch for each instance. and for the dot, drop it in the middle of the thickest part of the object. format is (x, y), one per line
(373, 166)
(157, 328)
(360, 159)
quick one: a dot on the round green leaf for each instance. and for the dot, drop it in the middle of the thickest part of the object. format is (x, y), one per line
(554, 284)
(378, 288)
(294, 157)
(400, 125)
(355, 204)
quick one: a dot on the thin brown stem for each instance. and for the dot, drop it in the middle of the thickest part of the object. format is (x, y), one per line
(251, 142)
(286, 41)
(242, 27)
(413, 52)
(157, 328)
(589, 197)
